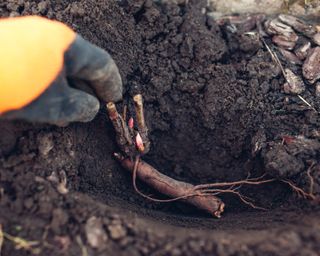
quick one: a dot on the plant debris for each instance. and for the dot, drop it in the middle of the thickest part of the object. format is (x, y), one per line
(20, 243)
(96, 236)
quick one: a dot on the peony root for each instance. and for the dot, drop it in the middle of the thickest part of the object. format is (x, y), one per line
(134, 143)
(177, 190)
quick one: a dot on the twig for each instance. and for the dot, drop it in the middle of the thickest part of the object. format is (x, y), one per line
(123, 136)
(274, 57)
(84, 250)
(21, 243)
(1, 238)
(124, 113)
(307, 103)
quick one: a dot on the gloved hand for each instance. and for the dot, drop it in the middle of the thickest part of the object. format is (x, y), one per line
(43, 66)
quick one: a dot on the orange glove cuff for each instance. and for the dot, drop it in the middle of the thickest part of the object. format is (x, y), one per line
(31, 57)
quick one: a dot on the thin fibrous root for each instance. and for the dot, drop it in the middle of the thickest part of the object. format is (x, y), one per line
(311, 178)
(274, 57)
(240, 182)
(243, 198)
(299, 191)
(134, 178)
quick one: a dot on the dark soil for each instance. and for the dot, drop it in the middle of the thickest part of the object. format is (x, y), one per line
(216, 112)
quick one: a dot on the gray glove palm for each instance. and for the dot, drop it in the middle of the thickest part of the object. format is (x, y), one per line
(85, 66)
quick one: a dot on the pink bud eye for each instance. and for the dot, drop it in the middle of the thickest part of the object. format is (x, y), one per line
(139, 143)
(131, 123)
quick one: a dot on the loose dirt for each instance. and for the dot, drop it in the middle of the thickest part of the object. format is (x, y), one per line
(216, 112)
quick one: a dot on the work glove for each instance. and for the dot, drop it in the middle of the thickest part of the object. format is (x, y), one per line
(50, 74)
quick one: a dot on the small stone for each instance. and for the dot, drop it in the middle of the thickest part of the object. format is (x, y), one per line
(294, 84)
(96, 235)
(42, 7)
(265, 87)
(117, 231)
(316, 39)
(311, 66)
(276, 27)
(45, 144)
(291, 57)
(76, 9)
(258, 142)
(302, 51)
(298, 25)
(284, 42)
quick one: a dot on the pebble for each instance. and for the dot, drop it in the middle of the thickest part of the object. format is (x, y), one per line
(117, 231)
(311, 66)
(96, 236)
(45, 143)
(289, 56)
(42, 7)
(294, 84)
(298, 25)
(302, 51)
(275, 27)
(316, 39)
(283, 42)
(77, 9)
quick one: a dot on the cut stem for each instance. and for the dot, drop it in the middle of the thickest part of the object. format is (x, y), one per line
(142, 127)
(124, 139)
(138, 104)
